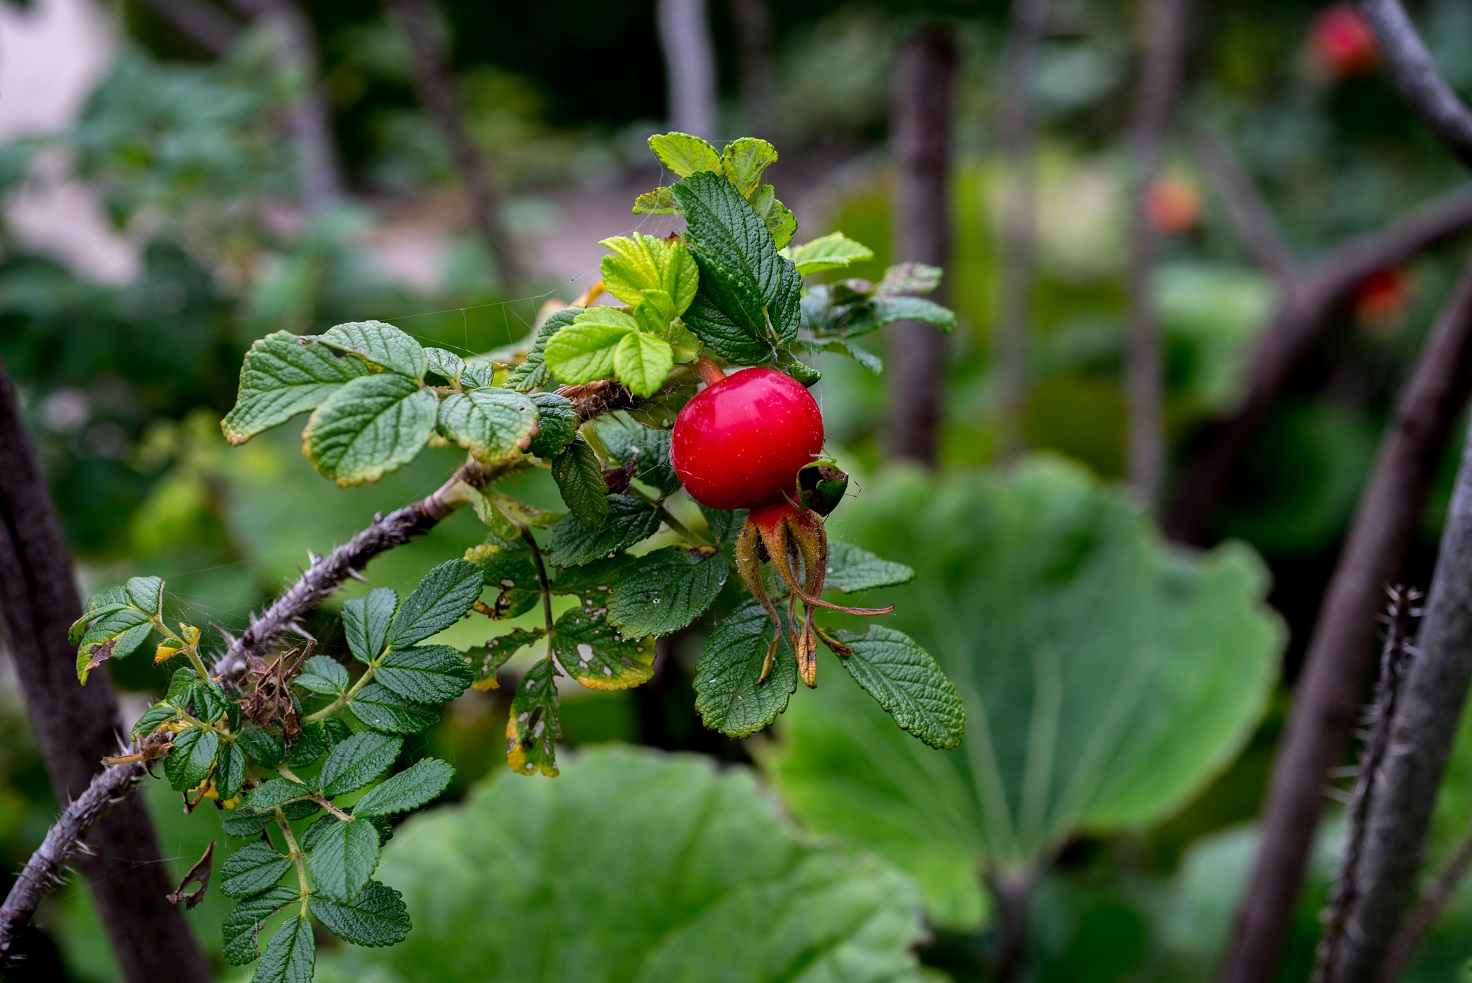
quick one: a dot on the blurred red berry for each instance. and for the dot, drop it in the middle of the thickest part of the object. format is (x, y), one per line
(1382, 295)
(1342, 42)
(1173, 206)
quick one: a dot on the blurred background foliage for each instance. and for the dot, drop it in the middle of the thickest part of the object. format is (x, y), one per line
(1139, 825)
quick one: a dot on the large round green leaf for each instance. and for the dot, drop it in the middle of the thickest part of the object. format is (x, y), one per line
(634, 865)
(1106, 678)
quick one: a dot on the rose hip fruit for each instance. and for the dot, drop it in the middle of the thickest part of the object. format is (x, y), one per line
(740, 442)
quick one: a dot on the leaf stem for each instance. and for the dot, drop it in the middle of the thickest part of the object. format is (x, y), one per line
(678, 527)
(298, 858)
(531, 542)
(345, 698)
(710, 373)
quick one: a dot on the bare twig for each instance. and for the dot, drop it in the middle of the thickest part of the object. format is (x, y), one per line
(921, 137)
(76, 726)
(1303, 316)
(1340, 649)
(690, 66)
(1019, 221)
(1415, 75)
(1395, 654)
(1165, 40)
(436, 85)
(1424, 915)
(1246, 210)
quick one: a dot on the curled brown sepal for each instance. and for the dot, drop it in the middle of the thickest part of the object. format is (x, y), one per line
(783, 535)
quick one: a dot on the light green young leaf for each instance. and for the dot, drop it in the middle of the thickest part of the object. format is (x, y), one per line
(242, 927)
(290, 955)
(909, 278)
(371, 426)
(851, 569)
(557, 424)
(533, 373)
(579, 477)
(658, 271)
(710, 862)
(584, 350)
(777, 217)
(284, 375)
(358, 761)
(907, 683)
(366, 622)
(1105, 677)
(146, 593)
(154, 717)
(384, 710)
(252, 869)
(685, 154)
(743, 162)
(727, 694)
(440, 600)
(409, 789)
(830, 252)
(381, 344)
(376, 917)
(323, 675)
(630, 520)
(425, 673)
(192, 757)
(492, 424)
(343, 857)
(533, 729)
(642, 361)
(656, 202)
(666, 590)
(591, 651)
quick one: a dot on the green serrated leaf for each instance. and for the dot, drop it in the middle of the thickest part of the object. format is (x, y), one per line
(290, 955)
(747, 302)
(376, 917)
(229, 771)
(656, 202)
(370, 426)
(492, 424)
(745, 160)
(641, 361)
(409, 789)
(275, 791)
(446, 365)
(384, 710)
(252, 869)
(557, 424)
(666, 590)
(266, 750)
(242, 927)
(146, 593)
(652, 270)
(309, 744)
(192, 757)
(153, 718)
(97, 608)
(727, 694)
(830, 252)
(425, 673)
(593, 652)
(440, 600)
(840, 346)
(534, 727)
(584, 350)
(381, 344)
(684, 153)
(486, 659)
(358, 761)
(534, 373)
(509, 571)
(629, 521)
(323, 675)
(112, 636)
(647, 449)
(888, 310)
(208, 700)
(579, 477)
(366, 622)
(283, 376)
(851, 569)
(906, 681)
(343, 857)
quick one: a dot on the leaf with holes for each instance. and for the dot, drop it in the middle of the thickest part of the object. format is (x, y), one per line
(486, 659)
(594, 653)
(508, 570)
(533, 729)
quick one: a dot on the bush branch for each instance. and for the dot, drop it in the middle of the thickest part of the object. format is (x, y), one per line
(1246, 210)
(1415, 75)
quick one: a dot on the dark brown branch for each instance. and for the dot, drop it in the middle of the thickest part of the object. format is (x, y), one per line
(1011, 897)
(1019, 220)
(921, 137)
(1341, 647)
(1165, 41)
(1424, 915)
(1395, 654)
(690, 66)
(436, 85)
(47, 865)
(76, 726)
(1246, 210)
(1415, 75)
(1303, 316)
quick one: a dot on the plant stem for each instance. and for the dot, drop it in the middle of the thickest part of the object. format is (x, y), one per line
(1011, 893)
(344, 699)
(531, 542)
(710, 373)
(298, 858)
(1423, 916)
(678, 527)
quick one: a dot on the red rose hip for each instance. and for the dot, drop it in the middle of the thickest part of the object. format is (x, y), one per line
(740, 442)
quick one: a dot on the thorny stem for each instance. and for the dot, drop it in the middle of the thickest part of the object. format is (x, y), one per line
(298, 858)
(1424, 915)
